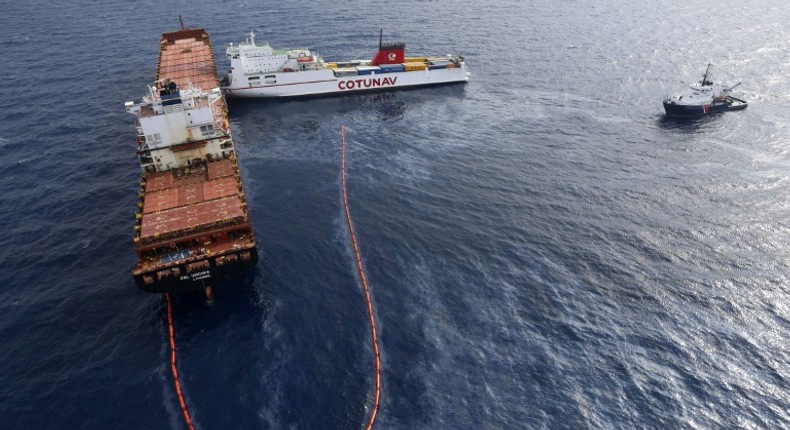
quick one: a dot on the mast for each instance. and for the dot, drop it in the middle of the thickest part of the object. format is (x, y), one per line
(705, 76)
(381, 37)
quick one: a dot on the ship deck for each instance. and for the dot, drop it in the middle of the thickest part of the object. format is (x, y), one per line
(187, 200)
(188, 213)
(186, 56)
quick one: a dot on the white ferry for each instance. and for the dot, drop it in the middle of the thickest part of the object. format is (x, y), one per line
(261, 71)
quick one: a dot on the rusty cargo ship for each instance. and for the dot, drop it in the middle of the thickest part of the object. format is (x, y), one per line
(192, 228)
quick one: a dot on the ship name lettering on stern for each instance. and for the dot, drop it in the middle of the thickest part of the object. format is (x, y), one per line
(200, 275)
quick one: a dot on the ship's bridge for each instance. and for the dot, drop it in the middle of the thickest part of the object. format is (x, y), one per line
(176, 126)
(252, 59)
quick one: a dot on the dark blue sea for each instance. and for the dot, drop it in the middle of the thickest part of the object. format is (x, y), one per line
(545, 250)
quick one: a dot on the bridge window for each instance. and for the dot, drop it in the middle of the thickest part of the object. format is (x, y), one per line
(153, 138)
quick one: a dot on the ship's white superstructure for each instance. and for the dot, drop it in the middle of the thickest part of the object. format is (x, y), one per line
(261, 71)
(179, 127)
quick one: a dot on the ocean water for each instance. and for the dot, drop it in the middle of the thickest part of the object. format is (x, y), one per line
(544, 248)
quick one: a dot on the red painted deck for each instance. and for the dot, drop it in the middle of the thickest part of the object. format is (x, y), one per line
(189, 192)
(191, 217)
(186, 56)
(207, 195)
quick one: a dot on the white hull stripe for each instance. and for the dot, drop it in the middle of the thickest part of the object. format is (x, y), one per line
(283, 85)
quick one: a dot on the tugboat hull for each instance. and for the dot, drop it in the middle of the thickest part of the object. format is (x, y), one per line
(674, 109)
(738, 104)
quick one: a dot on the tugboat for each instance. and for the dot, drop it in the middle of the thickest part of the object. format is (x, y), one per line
(261, 71)
(703, 98)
